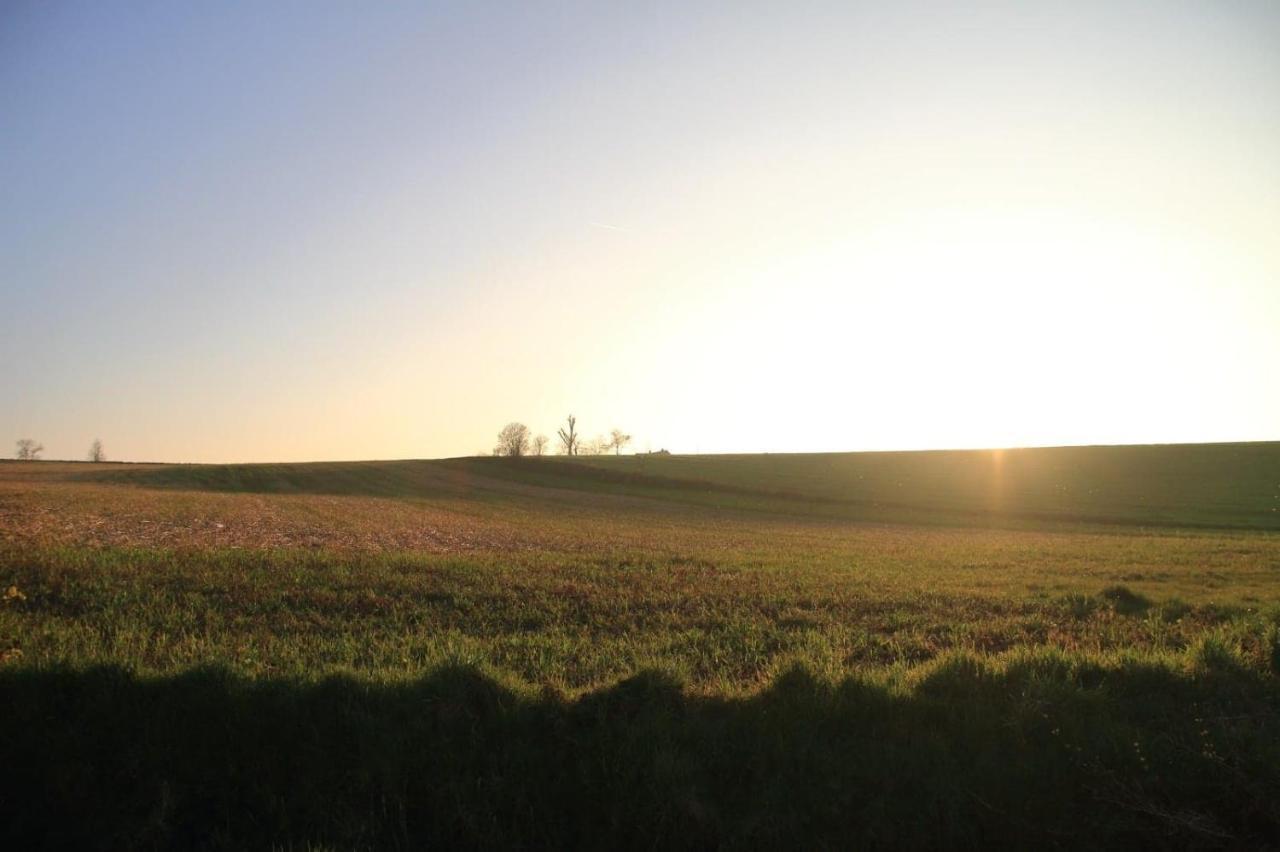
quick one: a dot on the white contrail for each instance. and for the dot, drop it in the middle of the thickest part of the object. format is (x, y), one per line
(609, 227)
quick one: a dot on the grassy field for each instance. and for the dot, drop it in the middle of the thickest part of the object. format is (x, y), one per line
(1069, 647)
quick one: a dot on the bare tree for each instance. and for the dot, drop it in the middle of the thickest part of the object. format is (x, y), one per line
(540, 445)
(569, 439)
(513, 440)
(96, 453)
(29, 449)
(617, 440)
(596, 446)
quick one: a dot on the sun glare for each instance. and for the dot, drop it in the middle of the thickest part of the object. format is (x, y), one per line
(959, 330)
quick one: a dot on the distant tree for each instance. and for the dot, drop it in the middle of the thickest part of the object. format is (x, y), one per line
(596, 446)
(569, 438)
(617, 440)
(540, 445)
(29, 450)
(513, 440)
(96, 453)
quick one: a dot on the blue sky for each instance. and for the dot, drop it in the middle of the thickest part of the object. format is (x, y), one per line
(289, 231)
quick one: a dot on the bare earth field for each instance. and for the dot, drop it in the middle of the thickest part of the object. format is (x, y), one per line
(1062, 647)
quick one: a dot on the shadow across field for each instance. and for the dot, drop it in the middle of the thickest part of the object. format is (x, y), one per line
(408, 479)
(1072, 486)
(357, 479)
(1037, 752)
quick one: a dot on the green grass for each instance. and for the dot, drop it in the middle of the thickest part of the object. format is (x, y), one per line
(1209, 485)
(724, 622)
(1192, 485)
(676, 652)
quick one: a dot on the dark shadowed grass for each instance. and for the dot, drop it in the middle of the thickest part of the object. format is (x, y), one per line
(1023, 750)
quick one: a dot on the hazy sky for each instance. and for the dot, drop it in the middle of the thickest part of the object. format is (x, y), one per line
(285, 231)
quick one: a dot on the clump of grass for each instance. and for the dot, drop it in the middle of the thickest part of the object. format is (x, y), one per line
(1079, 606)
(1125, 601)
(1174, 609)
(1216, 654)
(958, 676)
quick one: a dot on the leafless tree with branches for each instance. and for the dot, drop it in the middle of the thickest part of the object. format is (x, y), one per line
(96, 453)
(540, 445)
(569, 438)
(29, 449)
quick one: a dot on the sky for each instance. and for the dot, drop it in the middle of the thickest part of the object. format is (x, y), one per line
(301, 231)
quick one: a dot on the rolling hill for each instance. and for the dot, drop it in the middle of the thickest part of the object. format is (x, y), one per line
(1228, 486)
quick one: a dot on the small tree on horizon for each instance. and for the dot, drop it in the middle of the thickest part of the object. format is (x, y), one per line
(569, 439)
(513, 440)
(617, 440)
(29, 449)
(96, 453)
(540, 445)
